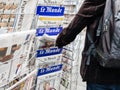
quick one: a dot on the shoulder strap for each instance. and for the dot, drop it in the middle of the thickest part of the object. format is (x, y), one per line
(103, 25)
(90, 49)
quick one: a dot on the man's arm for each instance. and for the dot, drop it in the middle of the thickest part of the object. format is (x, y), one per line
(87, 12)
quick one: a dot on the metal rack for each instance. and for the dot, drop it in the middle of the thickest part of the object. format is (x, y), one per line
(68, 79)
(23, 15)
(46, 63)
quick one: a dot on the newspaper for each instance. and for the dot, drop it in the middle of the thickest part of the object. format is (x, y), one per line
(14, 53)
(49, 78)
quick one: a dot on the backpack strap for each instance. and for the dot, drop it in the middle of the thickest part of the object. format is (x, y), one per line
(102, 26)
(91, 49)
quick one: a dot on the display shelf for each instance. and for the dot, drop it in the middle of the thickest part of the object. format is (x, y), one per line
(29, 59)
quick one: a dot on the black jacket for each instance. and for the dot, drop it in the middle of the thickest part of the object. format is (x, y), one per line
(88, 16)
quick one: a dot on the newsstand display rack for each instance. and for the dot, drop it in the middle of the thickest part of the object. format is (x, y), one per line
(29, 59)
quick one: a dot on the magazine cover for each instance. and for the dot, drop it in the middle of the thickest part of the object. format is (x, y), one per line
(67, 61)
(67, 53)
(66, 80)
(14, 53)
(64, 84)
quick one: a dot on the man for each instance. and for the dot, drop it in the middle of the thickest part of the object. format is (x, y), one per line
(97, 77)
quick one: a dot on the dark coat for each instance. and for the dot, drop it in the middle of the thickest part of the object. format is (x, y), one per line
(88, 16)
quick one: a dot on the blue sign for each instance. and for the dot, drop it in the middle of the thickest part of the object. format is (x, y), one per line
(48, 52)
(40, 31)
(53, 31)
(49, 31)
(50, 11)
(48, 70)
